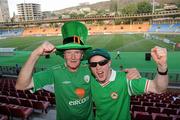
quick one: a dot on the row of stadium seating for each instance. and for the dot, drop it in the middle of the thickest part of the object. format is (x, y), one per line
(119, 28)
(154, 116)
(155, 106)
(21, 104)
(41, 31)
(11, 32)
(14, 70)
(165, 28)
(15, 111)
(145, 27)
(7, 88)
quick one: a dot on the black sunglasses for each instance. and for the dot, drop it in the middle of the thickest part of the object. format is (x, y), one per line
(101, 63)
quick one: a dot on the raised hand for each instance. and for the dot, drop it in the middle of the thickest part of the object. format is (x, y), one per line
(45, 49)
(160, 57)
(132, 73)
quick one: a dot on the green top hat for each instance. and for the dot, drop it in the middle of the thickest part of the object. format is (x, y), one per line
(74, 37)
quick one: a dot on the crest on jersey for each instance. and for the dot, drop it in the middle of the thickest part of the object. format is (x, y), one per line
(86, 78)
(114, 95)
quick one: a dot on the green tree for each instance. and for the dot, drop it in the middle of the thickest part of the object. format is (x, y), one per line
(114, 6)
(144, 7)
(80, 15)
(129, 9)
(73, 15)
(178, 5)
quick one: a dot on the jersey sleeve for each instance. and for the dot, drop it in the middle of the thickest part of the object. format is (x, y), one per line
(138, 86)
(42, 79)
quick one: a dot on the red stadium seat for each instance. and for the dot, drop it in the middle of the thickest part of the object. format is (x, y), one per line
(32, 96)
(151, 110)
(13, 100)
(144, 100)
(26, 103)
(134, 99)
(138, 108)
(135, 103)
(52, 94)
(160, 105)
(169, 111)
(175, 117)
(5, 93)
(174, 106)
(42, 105)
(147, 104)
(52, 100)
(3, 117)
(143, 116)
(177, 101)
(5, 110)
(155, 100)
(163, 118)
(42, 98)
(22, 95)
(166, 101)
(20, 111)
(14, 94)
(45, 93)
(4, 99)
(158, 114)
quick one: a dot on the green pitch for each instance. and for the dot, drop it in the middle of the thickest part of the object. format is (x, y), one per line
(132, 46)
(122, 42)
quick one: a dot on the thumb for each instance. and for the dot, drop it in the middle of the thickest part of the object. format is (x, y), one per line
(125, 70)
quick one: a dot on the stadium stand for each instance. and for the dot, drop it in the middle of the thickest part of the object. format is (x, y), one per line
(155, 110)
(22, 104)
(169, 28)
(19, 104)
(38, 31)
(11, 32)
(7, 51)
(119, 28)
(95, 29)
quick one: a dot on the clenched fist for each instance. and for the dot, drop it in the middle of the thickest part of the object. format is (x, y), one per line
(45, 49)
(159, 55)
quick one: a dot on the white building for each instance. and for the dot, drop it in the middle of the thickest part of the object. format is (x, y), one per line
(4, 11)
(29, 11)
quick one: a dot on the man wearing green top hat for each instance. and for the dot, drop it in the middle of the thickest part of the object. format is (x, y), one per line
(70, 80)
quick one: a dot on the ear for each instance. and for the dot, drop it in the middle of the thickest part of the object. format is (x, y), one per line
(82, 56)
(109, 63)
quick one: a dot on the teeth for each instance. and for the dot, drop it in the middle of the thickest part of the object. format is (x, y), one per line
(100, 72)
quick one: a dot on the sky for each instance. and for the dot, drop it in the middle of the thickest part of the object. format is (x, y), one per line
(49, 5)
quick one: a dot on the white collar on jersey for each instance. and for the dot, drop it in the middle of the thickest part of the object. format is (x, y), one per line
(112, 78)
(113, 75)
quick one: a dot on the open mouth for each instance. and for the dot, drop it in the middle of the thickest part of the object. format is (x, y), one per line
(100, 74)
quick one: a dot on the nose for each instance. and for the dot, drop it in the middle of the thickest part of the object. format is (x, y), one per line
(72, 56)
(98, 67)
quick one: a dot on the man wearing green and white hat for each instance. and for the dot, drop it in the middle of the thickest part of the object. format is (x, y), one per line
(111, 90)
(70, 80)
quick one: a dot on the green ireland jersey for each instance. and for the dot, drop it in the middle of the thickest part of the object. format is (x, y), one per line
(112, 101)
(72, 91)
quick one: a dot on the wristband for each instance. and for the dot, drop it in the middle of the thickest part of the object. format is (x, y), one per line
(162, 73)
